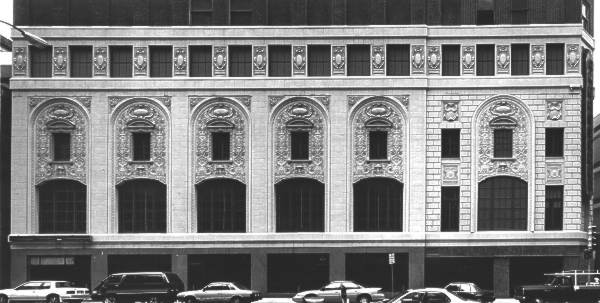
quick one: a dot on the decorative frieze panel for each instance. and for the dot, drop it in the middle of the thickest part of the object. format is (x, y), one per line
(450, 110)
(140, 59)
(60, 117)
(554, 109)
(538, 59)
(115, 100)
(554, 173)
(468, 60)
(323, 99)
(378, 59)
(450, 175)
(299, 60)
(573, 58)
(60, 61)
(86, 101)
(417, 59)
(140, 112)
(433, 60)
(220, 60)
(354, 99)
(100, 61)
(259, 60)
(502, 59)
(245, 100)
(180, 61)
(338, 60)
(19, 61)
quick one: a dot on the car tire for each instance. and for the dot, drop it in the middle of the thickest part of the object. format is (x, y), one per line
(153, 299)
(52, 299)
(308, 296)
(190, 300)
(3, 299)
(235, 300)
(363, 299)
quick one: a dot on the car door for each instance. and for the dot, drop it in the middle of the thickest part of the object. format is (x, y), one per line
(331, 293)
(413, 297)
(24, 291)
(42, 291)
(436, 297)
(209, 293)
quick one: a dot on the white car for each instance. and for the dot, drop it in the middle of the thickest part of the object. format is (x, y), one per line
(220, 292)
(429, 295)
(47, 291)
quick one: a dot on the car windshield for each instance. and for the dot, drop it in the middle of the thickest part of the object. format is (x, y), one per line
(475, 288)
(64, 284)
(351, 285)
(30, 285)
(240, 286)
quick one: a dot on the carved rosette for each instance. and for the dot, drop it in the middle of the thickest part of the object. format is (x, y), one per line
(554, 109)
(378, 59)
(19, 61)
(364, 168)
(489, 166)
(554, 173)
(60, 117)
(220, 60)
(538, 59)
(259, 60)
(450, 111)
(573, 58)
(503, 59)
(100, 61)
(450, 174)
(125, 168)
(468, 59)
(60, 61)
(205, 168)
(299, 60)
(284, 168)
(418, 59)
(140, 61)
(338, 60)
(180, 61)
(433, 59)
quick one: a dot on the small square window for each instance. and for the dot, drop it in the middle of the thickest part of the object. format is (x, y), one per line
(503, 143)
(161, 61)
(81, 61)
(299, 144)
(319, 60)
(141, 146)
(280, 60)
(41, 62)
(450, 143)
(121, 62)
(240, 61)
(485, 60)
(378, 141)
(519, 59)
(450, 60)
(61, 146)
(359, 60)
(554, 142)
(201, 61)
(555, 59)
(221, 145)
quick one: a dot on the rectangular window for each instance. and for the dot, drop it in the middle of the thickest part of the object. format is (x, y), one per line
(378, 141)
(241, 12)
(450, 143)
(585, 16)
(240, 61)
(61, 146)
(200, 61)
(81, 61)
(555, 59)
(357, 12)
(485, 12)
(161, 61)
(319, 60)
(554, 207)
(485, 60)
(503, 142)
(398, 59)
(221, 143)
(41, 62)
(359, 63)
(201, 12)
(121, 61)
(519, 12)
(280, 60)
(450, 208)
(280, 12)
(519, 59)
(141, 146)
(450, 60)
(397, 12)
(451, 12)
(299, 144)
(319, 12)
(554, 142)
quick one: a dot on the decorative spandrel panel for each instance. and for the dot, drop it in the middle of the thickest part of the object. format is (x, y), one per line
(60, 117)
(19, 61)
(140, 116)
(220, 117)
(311, 119)
(391, 121)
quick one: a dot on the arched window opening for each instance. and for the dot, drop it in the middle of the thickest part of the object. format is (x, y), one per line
(62, 207)
(300, 205)
(142, 206)
(221, 206)
(502, 204)
(378, 205)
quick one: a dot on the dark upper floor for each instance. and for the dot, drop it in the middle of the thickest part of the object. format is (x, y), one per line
(301, 12)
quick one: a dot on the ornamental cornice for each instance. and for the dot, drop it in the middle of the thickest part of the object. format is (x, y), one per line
(322, 99)
(85, 101)
(242, 99)
(113, 101)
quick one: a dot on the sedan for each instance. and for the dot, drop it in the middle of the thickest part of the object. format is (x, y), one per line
(471, 291)
(48, 291)
(220, 292)
(331, 293)
(429, 295)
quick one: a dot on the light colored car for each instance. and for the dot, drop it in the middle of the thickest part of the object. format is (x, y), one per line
(48, 291)
(220, 292)
(429, 295)
(331, 293)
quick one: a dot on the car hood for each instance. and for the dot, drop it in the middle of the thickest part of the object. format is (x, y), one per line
(7, 291)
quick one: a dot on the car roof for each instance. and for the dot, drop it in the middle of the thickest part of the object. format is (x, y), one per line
(139, 273)
(460, 283)
(343, 281)
(46, 281)
(218, 282)
(429, 289)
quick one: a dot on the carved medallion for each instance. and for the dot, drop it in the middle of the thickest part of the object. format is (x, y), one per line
(338, 60)
(299, 60)
(554, 173)
(260, 60)
(450, 174)
(503, 59)
(450, 111)
(220, 60)
(60, 61)
(378, 59)
(100, 61)
(538, 59)
(139, 61)
(468, 59)
(19, 61)
(417, 59)
(573, 58)
(433, 59)
(180, 61)
(554, 109)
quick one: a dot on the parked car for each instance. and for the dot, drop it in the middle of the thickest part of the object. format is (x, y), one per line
(567, 286)
(471, 291)
(332, 293)
(152, 287)
(429, 295)
(48, 291)
(220, 292)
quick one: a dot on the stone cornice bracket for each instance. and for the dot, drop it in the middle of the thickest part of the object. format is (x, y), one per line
(243, 99)
(113, 101)
(323, 99)
(86, 101)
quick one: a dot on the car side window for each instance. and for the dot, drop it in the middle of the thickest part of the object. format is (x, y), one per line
(333, 286)
(452, 287)
(45, 286)
(437, 297)
(154, 280)
(415, 297)
(131, 280)
(30, 285)
(350, 285)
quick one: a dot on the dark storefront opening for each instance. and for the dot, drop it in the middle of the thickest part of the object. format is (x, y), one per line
(133, 263)
(373, 269)
(291, 273)
(441, 271)
(68, 268)
(203, 269)
(531, 270)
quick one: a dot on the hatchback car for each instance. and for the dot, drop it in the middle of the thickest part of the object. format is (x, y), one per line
(220, 292)
(152, 287)
(48, 291)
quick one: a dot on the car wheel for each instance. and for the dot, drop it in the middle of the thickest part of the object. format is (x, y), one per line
(3, 299)
(110, 299)
(153, 299)
(308, 297)
(235, 300)
(364, 299)
(53, 299)
(190, 300)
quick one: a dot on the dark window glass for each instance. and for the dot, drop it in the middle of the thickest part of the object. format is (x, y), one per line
(200, 61)
(398, 59)
(554, 142)
(280, 60)
(121, 61)
(503, 142)
(141, 146)
(44, 12)
(81, 61)
(299, 205)
(359, 63)
(450, 143)
(161, 12)
(450, 208)
(241, 12)
(357, 12)
(319, 60)
(450, 60)
(80, 12)
(240, 61)
(378, 141)
(142, 206)
(485, 12)
(318, 12)
(221, 145)
(61, 146)
(41, 62)
(221, 206)
(451, 12)
(555, 59)
(519, 12)
(121, 12)
(485, 60)
(519, 59)
(161, 61)
(397, 12)
(62, 207)
(378, 205)
(554, 207)
(502, 204)
(299, 143)
(280, 12)
(201, 12)
(585, 16)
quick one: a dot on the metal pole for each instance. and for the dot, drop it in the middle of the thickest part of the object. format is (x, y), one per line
(392, 271)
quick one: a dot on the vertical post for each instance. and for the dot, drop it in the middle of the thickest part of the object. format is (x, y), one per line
(392, 270)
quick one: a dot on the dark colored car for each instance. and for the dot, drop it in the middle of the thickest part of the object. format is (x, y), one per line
(470, 291)
(151, 287)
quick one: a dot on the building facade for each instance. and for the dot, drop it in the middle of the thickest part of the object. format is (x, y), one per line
(282, 144)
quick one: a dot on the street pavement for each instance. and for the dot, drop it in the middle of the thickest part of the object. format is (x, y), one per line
(289, 300)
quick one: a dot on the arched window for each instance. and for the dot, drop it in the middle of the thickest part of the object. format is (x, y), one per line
(221, 206)
(378, 205)
(142, 206)
(300, 205)
(502, 204)
(62, 206)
